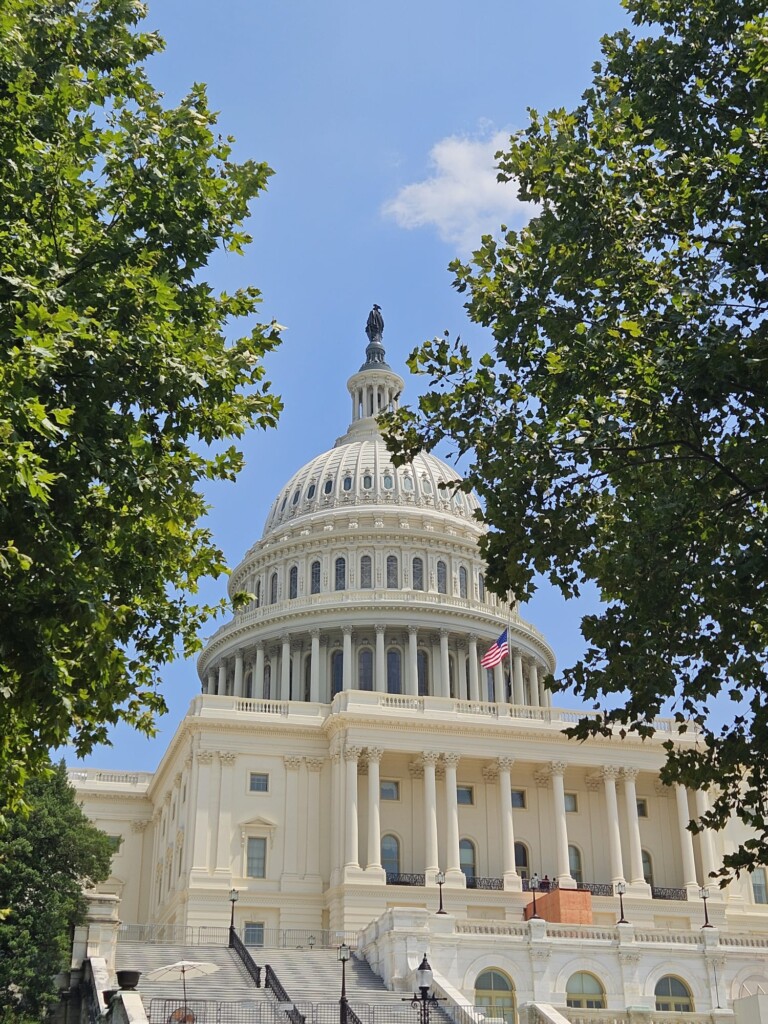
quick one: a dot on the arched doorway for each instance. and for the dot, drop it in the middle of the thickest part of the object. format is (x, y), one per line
(494, 990)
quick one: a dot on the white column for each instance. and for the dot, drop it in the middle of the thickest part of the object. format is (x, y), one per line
(686, 839)
(285, 668)
(258, 672)
(636, 876)
(202, 826)
(461, 672)
(351, 754)
(561, 829)
(706, 847)
(291, 818)
(610, 774)
(380, 681)
(413, 662)
(346, 668)
(533, 684)
(499, 686)
(297, 674)
(222, 685)
(224, 839)
(445, 667)
(453, 872)
(314, 767)
(238, 673)
(518, 691)
(337, 827)
(211, 687)
(474, 678)
(430, 814)
(509, 868)
(314, 669)
(374, 809)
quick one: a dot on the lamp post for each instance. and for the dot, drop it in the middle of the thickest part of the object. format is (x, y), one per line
(533, 885)
(704, 894)
(422, 1000)
(234, 896)
(343, 955)
(440, 879)
(621, 889)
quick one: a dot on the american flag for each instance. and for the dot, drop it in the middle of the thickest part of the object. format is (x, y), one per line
(496, 654)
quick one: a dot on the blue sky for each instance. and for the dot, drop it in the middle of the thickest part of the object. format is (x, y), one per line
(380, 122)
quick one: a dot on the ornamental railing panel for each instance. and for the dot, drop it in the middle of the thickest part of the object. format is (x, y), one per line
(661, 892)
(474, 882)
(404, 878)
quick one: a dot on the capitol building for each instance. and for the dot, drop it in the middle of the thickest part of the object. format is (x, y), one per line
(346, 750)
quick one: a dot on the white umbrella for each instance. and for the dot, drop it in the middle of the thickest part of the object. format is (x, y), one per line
(182, 969)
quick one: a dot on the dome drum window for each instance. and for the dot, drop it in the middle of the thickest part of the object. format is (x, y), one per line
(311, 491)
(327, 486)
(389, 482)
(347, 483)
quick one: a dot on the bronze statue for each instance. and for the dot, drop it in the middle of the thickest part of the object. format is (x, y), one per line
(375, 325)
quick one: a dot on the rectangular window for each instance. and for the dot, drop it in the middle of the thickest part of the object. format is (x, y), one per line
(642, 807)
(114, 844)
(465, 795)
(759, 888)
(518, 798)
(257, 857)
(389, 789)
(253, 934)
(258, 782)
(571, 802)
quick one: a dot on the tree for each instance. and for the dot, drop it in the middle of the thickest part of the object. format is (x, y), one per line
(617, 430)
(119, 388)
(46, 859)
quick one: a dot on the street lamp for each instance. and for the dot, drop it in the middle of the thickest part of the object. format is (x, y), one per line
(343, 955)
(234, 896)
(704, 894)
(533, 885)
(621, 889)
(422, 1000)
(440, 879)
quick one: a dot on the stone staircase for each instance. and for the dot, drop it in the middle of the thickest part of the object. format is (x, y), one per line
(314, 976)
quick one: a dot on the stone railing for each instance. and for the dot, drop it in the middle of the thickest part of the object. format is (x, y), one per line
(94, 776)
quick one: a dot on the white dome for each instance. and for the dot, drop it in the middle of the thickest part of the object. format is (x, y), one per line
(360, 474)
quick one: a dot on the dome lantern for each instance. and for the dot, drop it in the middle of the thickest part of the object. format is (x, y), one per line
(375, 388)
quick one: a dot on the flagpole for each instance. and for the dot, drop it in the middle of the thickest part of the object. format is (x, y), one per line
(509, 648)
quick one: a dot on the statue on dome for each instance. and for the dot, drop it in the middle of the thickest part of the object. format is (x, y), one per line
(374, 328)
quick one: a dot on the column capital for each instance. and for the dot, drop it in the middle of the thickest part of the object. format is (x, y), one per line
(375, 754)
(314, 764)
(473, 638)
(379, 629)
(285, 638)
(630, 774)
(430, 757)
(413, 630)
(346, 631)
(610, 771)
(444, 633)
(557, 767)
(314, 633)
(227, 757)
(352, 753)
(451, 760)
(205, 756)
(505, 763)
(416, 769)
(292, 763)
(259, 645)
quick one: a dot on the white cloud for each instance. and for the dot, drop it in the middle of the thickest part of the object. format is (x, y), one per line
(462, 198)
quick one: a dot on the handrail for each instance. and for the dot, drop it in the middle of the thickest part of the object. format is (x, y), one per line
(273, 983)
(236, 943)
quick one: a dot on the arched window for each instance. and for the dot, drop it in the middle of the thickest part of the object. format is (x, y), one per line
(494, 990)
(389, 481)
(673, 994)
(308, 678)
(315, 578)
(337, 672)
(248, 685)
(295, 499)
(258, 594)
(481, 587)
(267, 682)
(490, 685)
(390, 855)
(521, 859)
(426, 485)
(293, 583)
(759, 887)
(367, 481)
(393, 576)
(340, 575)
(418, 574)
(442, 578)
(467, 858)
(585, 992)
(647, 867)
(273, 588)
(347, 483)
(311, 491)
(365, 669)
(422, 670)
(463, 582)
(327, 486)
(407, 483)
(366, 573)
(394, 671)
(574, 864)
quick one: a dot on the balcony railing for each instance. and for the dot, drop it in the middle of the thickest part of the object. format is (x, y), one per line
(473, 882)
(660, 892)
(404, 878)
